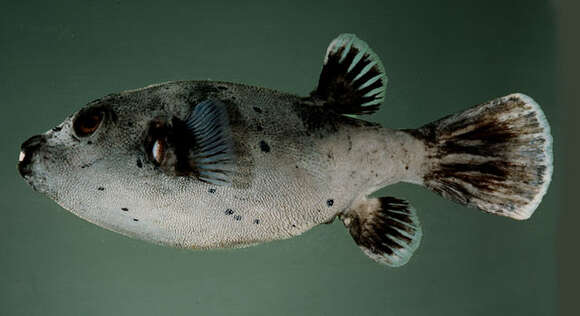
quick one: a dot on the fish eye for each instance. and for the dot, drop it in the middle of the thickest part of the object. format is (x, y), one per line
(87, 122)
(158, 151)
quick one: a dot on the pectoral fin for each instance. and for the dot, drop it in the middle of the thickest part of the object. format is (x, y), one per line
(212, 153)
(200, 145)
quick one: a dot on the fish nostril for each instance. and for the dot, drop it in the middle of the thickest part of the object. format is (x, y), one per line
(27, 150)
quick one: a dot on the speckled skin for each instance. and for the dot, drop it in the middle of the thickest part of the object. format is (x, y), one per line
(299, 165)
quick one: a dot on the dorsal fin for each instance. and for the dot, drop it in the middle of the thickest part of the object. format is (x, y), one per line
(353, 79)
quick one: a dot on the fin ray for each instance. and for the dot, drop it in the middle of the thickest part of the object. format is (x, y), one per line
(214, 157)
(496, 156)
(386, 229)
(352, 80)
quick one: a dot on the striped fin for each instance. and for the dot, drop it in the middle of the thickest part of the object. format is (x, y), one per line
(213, 155)
(496, 156)
(353, 79)
(386, 229)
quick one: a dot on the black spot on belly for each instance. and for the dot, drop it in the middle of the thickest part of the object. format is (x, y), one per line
(229, 211)
(259, 128)
(139, 163)
(135, 220)
(101, 189)
(257, 109)
(124, 209)
(264, 146)
(256, 221)
(89, 143)
(211, 190)
(330, 202)
(237, 217)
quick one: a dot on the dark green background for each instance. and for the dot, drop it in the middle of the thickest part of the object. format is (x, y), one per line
(440, 56)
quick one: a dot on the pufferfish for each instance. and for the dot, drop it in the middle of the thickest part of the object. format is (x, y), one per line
(206, 164)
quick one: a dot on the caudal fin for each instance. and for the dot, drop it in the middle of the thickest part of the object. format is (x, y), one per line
(496, 156)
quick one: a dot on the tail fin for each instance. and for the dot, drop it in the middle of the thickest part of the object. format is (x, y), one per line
(496, 156)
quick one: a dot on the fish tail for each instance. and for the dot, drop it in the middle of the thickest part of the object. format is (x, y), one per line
(496, 156)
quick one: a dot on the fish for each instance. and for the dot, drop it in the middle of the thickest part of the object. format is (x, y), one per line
(212, 164)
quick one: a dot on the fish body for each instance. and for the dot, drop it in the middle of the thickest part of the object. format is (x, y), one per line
(202, 164)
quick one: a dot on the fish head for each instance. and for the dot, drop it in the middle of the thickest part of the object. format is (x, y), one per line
(101, 163)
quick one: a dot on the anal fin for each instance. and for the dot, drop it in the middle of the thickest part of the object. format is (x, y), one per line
(386, 229)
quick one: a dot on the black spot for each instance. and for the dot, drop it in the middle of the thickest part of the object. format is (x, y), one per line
(211, 190)
(256, 221)
(57, 129)
(349, 143)
(293, 225)
(237, 217)
(89, 142)
(264, 146)
(124, 209)
(130, 124)
(101, 189)
(229, 211)
(257, 109)
(330, 202)
(139, 163)
(259, 128)
(135, 220)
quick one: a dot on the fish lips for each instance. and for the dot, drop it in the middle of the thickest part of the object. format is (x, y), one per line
(29, 153)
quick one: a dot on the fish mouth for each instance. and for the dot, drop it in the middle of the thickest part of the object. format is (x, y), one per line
(24, 165)
(36, 181)
(28, 150)
(28, 162)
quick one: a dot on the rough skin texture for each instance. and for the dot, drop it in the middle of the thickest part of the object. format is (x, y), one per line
(298, 165)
